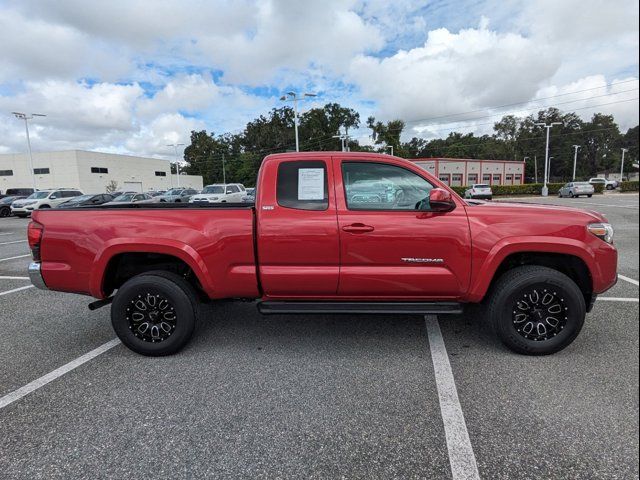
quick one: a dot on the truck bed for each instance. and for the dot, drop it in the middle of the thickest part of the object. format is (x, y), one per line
(216, 240)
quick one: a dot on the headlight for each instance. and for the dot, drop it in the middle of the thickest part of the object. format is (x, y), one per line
(603, 231)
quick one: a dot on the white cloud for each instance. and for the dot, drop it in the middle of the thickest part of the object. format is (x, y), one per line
(455, 72)
(125, 75)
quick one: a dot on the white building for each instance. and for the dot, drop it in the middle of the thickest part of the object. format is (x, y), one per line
(459, 172)
(90, 172)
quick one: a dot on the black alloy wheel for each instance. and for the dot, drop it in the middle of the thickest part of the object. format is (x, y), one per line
(536, 310)
(155, 313)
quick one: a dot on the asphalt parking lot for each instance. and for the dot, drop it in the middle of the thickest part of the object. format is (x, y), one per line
(317, 397)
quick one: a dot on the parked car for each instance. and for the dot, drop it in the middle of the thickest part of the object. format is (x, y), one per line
(479, 191)
(575, 189)
(250, 196)
(312, 249)
(221, 193)
(5, 204)
(87, 200)
(17, 192)
(130, 197)
(42, 199)
(177, 195)
(153, 193)
(608, 184)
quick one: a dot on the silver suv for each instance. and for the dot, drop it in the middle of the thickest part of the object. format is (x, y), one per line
(42, 199)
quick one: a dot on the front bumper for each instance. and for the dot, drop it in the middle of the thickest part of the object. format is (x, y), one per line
(35, 275)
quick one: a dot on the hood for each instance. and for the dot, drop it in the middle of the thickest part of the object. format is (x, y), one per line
(526, 209)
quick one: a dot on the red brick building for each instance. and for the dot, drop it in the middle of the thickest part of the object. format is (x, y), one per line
(460, 172)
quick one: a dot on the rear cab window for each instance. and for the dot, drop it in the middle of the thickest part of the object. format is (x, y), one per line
(303, 185)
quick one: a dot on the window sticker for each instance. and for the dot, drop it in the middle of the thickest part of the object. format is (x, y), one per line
(311, 184)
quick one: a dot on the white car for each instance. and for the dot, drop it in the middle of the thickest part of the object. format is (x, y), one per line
(42, 199)
(479, 191)
(220, 193)
(575, 189)
(608, 184)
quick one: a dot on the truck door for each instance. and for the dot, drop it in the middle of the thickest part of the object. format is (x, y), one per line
(389, 248)
(297, 231)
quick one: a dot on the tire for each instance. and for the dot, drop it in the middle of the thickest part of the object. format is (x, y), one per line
(5, 212)
(609, 187)
(20, 215)
(589, 196)
(163, 335)
(529, 285)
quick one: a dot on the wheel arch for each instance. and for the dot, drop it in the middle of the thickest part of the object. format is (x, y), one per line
(568, 258)
(118, 262)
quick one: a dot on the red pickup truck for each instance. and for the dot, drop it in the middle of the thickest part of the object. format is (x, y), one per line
(331, 233)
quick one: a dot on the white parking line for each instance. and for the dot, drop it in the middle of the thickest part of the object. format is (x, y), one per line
(604, 205)
(7, 233)
(13, 278)
(627, 279)
(15, 241)
(13, 258)
(461, 457)
(15, 290)
(617, 299)
(58, 372)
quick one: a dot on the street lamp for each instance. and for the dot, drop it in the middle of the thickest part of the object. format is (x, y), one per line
(549, 172)
(548, 126)
(575, 160)
(624, 150)
(294, 97)
(175, 149)
(26, 118)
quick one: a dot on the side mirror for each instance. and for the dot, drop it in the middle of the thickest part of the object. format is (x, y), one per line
(440, 200)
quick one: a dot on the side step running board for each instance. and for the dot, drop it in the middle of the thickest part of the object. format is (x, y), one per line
(388, 308)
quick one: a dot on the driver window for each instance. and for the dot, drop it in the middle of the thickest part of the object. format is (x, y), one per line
(379, 186)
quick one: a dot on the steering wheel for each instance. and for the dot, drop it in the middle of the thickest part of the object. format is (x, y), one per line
(399, 196)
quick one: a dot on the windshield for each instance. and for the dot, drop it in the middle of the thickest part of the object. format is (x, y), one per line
(79, 199)
(481, 185)
(124, 198)
(213, 189)
(38, 195)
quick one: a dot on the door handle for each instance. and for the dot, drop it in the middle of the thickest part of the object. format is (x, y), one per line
(358, 228)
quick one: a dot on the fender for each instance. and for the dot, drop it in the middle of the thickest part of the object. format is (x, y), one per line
(135, 245)
(484, 273)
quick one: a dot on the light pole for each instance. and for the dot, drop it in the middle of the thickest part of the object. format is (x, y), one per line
(549, 172)
(342, 140)
(575, 161)
(26, 118)
(524, 174)
(175, 149)
(294, 97)
(624, 150)
(545, 189)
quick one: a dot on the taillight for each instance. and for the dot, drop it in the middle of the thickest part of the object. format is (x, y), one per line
(34, 236)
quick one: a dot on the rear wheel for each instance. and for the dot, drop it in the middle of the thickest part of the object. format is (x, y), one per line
(536, 310)
(5, 212)
(155, 313)
(590, 195)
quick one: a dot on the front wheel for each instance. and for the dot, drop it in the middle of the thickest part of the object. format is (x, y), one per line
(155, 313)
(589, 196)
(536, 310)
(5, 212)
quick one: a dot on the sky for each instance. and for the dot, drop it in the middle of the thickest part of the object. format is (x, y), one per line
(131, 76)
